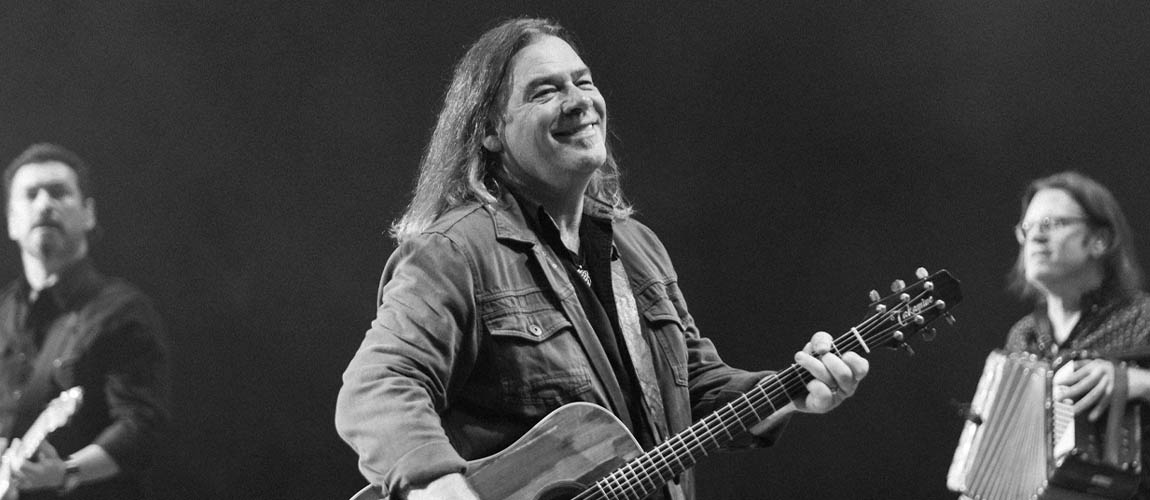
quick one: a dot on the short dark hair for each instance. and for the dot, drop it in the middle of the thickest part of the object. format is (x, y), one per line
(1120, 268)
(46, 152)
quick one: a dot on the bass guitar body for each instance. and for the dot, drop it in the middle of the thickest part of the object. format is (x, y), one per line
(560, 457)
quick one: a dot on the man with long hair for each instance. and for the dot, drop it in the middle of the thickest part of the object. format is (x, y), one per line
(521, 283)
(1076, 263)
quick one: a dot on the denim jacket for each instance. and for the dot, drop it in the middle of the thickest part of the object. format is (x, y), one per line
(479, 334)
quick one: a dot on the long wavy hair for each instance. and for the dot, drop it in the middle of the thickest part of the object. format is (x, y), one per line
(455, 168)
(1121, 272)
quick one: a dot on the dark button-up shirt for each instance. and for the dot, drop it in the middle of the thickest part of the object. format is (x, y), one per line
(103, 335)
(590, 273)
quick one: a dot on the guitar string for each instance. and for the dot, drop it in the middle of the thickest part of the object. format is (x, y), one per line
(641, 475)
(646, 469)
(637, 473)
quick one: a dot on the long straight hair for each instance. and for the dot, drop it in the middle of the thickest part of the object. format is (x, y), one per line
(455, 168)
(1121, 272)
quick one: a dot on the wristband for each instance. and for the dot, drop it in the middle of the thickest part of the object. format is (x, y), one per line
(71, 478)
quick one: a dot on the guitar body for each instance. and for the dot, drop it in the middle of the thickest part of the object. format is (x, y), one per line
(562, 455)
(582, 448)
(57, 413)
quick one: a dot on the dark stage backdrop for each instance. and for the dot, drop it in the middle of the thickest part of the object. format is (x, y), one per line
(792, 155)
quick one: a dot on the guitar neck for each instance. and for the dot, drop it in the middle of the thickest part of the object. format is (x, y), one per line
(57, 413)
(651, 470)
(35, 435)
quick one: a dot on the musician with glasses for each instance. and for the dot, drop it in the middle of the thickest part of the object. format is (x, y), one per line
(1076, 263)
(522, 283)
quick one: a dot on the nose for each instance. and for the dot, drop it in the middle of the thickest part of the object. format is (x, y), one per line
(43, 200)
(1038, 234)
(577, 101)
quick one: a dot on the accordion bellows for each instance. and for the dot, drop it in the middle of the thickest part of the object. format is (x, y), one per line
(1018, 443)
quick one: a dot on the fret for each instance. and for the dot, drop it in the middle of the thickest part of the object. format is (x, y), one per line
(891, 321)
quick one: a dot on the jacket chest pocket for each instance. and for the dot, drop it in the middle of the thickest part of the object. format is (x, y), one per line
(667, 327)
(64, 366)
(532, 361)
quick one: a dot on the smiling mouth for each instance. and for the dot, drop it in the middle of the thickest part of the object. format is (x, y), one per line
(584, 128)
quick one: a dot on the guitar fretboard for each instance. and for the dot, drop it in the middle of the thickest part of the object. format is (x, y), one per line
(650, 471)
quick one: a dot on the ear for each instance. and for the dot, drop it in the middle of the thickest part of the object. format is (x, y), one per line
(1099, 244)
(492, 143)
(90, 211)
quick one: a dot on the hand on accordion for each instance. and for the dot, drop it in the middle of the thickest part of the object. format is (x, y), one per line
(1088, 385)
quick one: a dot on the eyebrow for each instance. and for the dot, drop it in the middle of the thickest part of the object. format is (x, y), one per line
(51, 183)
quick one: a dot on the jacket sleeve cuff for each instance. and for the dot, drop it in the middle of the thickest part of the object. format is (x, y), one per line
(423, 465)
(120, 443)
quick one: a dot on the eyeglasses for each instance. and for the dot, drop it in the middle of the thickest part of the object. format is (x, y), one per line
(1044, 226)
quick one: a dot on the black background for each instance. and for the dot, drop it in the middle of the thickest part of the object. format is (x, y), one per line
(792, 156)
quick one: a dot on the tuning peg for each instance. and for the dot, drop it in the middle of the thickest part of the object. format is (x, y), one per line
(950, 319)
(897, 285)
(929, 334)
(874, 296)
(906, 347)
(898, 336)
(921, 273)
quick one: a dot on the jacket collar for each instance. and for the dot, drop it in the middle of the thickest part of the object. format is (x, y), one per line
(511, 224)
(74, 285)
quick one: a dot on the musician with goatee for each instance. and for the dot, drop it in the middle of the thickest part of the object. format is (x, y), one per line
(522, 283)
(63, 325)
(1076, 263)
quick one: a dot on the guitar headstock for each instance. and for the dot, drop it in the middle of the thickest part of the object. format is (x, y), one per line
(62, 408)
(909, 310)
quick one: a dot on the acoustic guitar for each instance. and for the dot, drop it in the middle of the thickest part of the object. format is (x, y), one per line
(57, 413)
(581, 451)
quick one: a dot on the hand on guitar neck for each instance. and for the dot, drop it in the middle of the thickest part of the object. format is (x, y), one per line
(835, 379)
(18, 470)
(45, 472)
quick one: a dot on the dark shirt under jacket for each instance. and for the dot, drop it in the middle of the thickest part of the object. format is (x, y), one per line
(1111, 323)
(98, 333)
(480, 333)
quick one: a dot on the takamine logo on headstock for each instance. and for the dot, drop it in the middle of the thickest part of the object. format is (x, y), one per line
(910, 309)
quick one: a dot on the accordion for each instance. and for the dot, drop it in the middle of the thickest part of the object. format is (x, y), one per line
(1019, 443)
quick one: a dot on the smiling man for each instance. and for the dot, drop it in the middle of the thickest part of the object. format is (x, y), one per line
(522, 283)
(63, 325)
